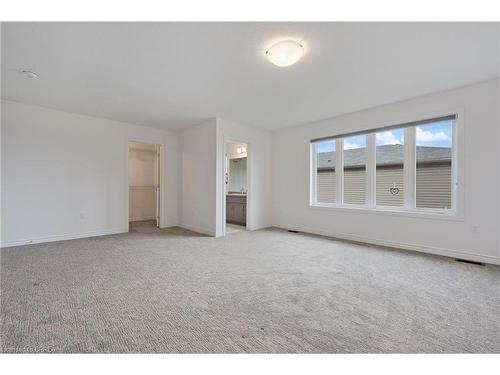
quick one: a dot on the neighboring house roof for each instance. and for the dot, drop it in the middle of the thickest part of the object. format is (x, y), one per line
(386, 155)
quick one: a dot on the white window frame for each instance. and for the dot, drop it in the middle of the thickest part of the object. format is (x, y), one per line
(409, 208)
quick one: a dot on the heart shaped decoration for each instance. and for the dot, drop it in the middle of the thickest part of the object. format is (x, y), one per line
(394, 190)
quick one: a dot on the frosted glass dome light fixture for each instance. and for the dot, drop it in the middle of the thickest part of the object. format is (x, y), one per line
(285, 53)
(30, 74)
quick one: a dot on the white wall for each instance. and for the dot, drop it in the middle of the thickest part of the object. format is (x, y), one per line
(142, 167)
(143, 181)
(259, 167)
(480, 155)
(198, 177)
(65, 175)
(202, 175)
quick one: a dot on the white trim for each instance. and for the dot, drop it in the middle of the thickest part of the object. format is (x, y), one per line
(61, 237)
(142, 218)
(422, 213)
(202, 230)
(397, 245)
(313, 173)
(170, 226)
(409, 169)
(370, 170)
(456, 138)
(339, 166)
(260, 227)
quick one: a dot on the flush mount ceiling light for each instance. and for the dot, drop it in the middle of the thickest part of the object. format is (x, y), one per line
(285, 53)
(30, 74)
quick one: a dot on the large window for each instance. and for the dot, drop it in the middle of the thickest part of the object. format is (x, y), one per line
(410, 167)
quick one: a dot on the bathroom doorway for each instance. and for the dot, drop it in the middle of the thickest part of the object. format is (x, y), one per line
(236, 186)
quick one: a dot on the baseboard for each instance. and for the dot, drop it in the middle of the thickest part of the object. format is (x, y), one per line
(197, 229)
(168, 226)
(259, 227)
(398, 245)
(142, 218)
(61, 237)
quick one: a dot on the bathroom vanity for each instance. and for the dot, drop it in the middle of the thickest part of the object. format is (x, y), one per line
(236, 208)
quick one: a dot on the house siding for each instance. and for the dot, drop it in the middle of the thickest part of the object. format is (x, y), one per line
(326, 186)
(433, 185)
(355, 186)
(387, 178)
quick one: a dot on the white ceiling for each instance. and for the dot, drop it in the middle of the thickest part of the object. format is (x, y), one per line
(173, 75)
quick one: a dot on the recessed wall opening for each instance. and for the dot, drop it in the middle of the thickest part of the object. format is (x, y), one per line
(235, 186)
(144, 186)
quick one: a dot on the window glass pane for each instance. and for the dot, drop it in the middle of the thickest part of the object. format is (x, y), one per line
(325, 176)
(389, 174)
(434, 164)
(355, 170)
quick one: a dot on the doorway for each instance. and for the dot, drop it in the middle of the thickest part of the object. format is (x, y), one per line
(144, 186)
(235, 186)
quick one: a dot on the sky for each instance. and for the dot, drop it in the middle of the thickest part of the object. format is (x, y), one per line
(326, 146)
(437, 134)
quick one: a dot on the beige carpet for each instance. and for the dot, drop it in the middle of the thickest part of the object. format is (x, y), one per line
(266, 291)
(233, 228)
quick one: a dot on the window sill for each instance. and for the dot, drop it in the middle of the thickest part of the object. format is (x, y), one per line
(420, 214)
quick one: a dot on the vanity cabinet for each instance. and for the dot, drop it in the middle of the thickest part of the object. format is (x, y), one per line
(236, 209)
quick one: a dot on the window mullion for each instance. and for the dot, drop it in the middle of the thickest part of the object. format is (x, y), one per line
(339, 170)
(409, 168)
(370, 170)
(454, 168)
(313, 194)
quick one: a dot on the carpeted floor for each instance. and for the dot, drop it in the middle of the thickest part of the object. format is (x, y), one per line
(233, 228)
(267, 291)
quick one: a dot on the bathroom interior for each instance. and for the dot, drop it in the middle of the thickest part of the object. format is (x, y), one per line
(236, 186)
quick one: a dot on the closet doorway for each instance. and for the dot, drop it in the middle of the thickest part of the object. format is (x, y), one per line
(144, 186)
